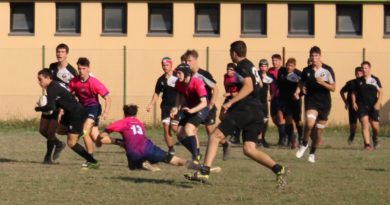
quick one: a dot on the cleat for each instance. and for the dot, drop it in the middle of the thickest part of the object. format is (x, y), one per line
(149, 167)
(368, 148)
(215, 169)
(301, 151)
(91, 165)
(197, 176)
(58, 151)
(312, 158)
(85, 164)
(376, 144)
(171, 151)
(226, 151)
(281, 177)
(264, 143)
(47, 160)
(195, 165)
(350, 140)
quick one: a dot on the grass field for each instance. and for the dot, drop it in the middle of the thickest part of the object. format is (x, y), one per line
(343, 174)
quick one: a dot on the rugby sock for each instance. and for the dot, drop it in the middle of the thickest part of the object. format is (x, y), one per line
(189, 143)
(289, 130)
(117, 142)
(50, 147)
(300, 131)
(304, 142)
(57, 142)
(276, 168)
(313, 150)
(83, 153)
(282, 133)
(205, 170)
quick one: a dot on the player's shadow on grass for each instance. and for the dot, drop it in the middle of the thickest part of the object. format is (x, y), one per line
(375, 169)
(154, 181)
(6, 160)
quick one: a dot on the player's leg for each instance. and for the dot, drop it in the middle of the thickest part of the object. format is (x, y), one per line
(43, 129)
(281, 127)
(352, 118)
(87, 129)
(168, 137)
(374, 121)
(311, 118)
(316, 139)
(364, 121)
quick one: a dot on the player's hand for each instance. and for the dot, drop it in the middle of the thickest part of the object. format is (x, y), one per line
(188, 110)
(355, 106)
(173, 112)
(98, 141)
(304, 90)
(377, 106)
(103, 116)
(320, 81)
(296, 95)
(226, 106)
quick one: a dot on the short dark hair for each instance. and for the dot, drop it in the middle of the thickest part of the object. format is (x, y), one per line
(83, 61)
(192, 53)
(366, 63)
(238, 47)
(231, 65)
(130, 110)
(315, 49)
(183, 57)
(45, 72)
(358, 69)
(63, 46)
(277, 56)
(291, 61)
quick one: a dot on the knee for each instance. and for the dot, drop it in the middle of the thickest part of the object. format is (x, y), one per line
(71, 143)
(248, 150)
(189, 131)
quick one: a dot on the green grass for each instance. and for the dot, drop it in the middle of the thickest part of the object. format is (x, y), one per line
(342, 175)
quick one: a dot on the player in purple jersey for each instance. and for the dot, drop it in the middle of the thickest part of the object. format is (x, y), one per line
(140, 150)
(62, 72)
(88, 89)
(191, 108)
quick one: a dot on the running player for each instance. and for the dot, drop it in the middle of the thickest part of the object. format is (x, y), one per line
(366, 99)
(166, 84)
(242, 112)
(352, 114)
(87, 90)
(191, 107)
(60, 97)
(62, 72)
(288, 80)
(318, 80)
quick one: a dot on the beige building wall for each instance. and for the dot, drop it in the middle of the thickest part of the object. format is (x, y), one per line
(21, 56)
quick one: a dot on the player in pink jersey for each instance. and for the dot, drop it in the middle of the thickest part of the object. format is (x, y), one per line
(87, 89)
(192, 103)
(140, 150)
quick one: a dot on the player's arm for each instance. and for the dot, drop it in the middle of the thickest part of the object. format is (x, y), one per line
(377, 105)
(104, 138)
(298, 91)
(154, 99)
(343, 97)
(51, 101)
(247, 88)
(354, 104)
(107, 106)
(330, 87)
(179, 102)
(202, 104)
(214, 96)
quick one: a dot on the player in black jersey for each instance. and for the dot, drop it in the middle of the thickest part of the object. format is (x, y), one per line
(318, 79)
(289, 104)
(352, 114)
(242, 112)
(166, 85)
(366, 99)
(212, 94)
(60, 97)
(62, 72)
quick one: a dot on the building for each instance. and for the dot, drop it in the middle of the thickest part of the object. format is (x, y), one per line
(128, 38)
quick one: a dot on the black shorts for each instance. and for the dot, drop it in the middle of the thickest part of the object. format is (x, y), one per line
(275, 107)
(352, 116)
(52, 116)
(196, 118)
(248, 119)
(210, 120)
(93, 112)
(368, 111)
(74, 121)
(323, 111)
(297, 110)
(291, 108)
(165, 114)
(264, 108)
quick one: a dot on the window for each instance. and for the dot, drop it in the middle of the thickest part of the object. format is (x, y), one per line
(207, 18)
(160, 18)
(253, 19)
(68, 18)
(22, 17)
(387, 19)
(349, 20)
(300, 19)
(114, 18)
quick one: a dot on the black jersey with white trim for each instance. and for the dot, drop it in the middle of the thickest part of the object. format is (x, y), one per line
(62, 76)
(348, 88)
(315, 92)
(60, 97)
(287, 83)
(166, 85)
(207, 79)
(367, 90)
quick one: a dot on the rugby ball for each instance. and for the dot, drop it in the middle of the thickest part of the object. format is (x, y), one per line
(42, 101)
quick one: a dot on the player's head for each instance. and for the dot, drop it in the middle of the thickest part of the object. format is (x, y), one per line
(62, 51)
(83, 66)
(130, 110)
(263, 65)
(166, 64)
(183, 58)
(237, 51)
(315, 55)
(192, 59)
(44, 77)
(358, 72)
(276, 60)
(230, 69)
(366, 66)
(291, 64)
(183, 72)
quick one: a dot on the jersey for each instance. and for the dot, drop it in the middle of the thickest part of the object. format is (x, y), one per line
(64, 75)
(207, 79)
(288, 83)
(230, 83)
(88, 91)
(367, 90)
(134, 136)
(348, 88)
(167, 87)
(273, 88)
(316, 93)
(192, 92)
(267, 80)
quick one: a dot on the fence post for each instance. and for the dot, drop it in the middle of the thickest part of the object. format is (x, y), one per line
(154, 115)
(124, 74)
(207, 58)
(284, 55)
(364, 54)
